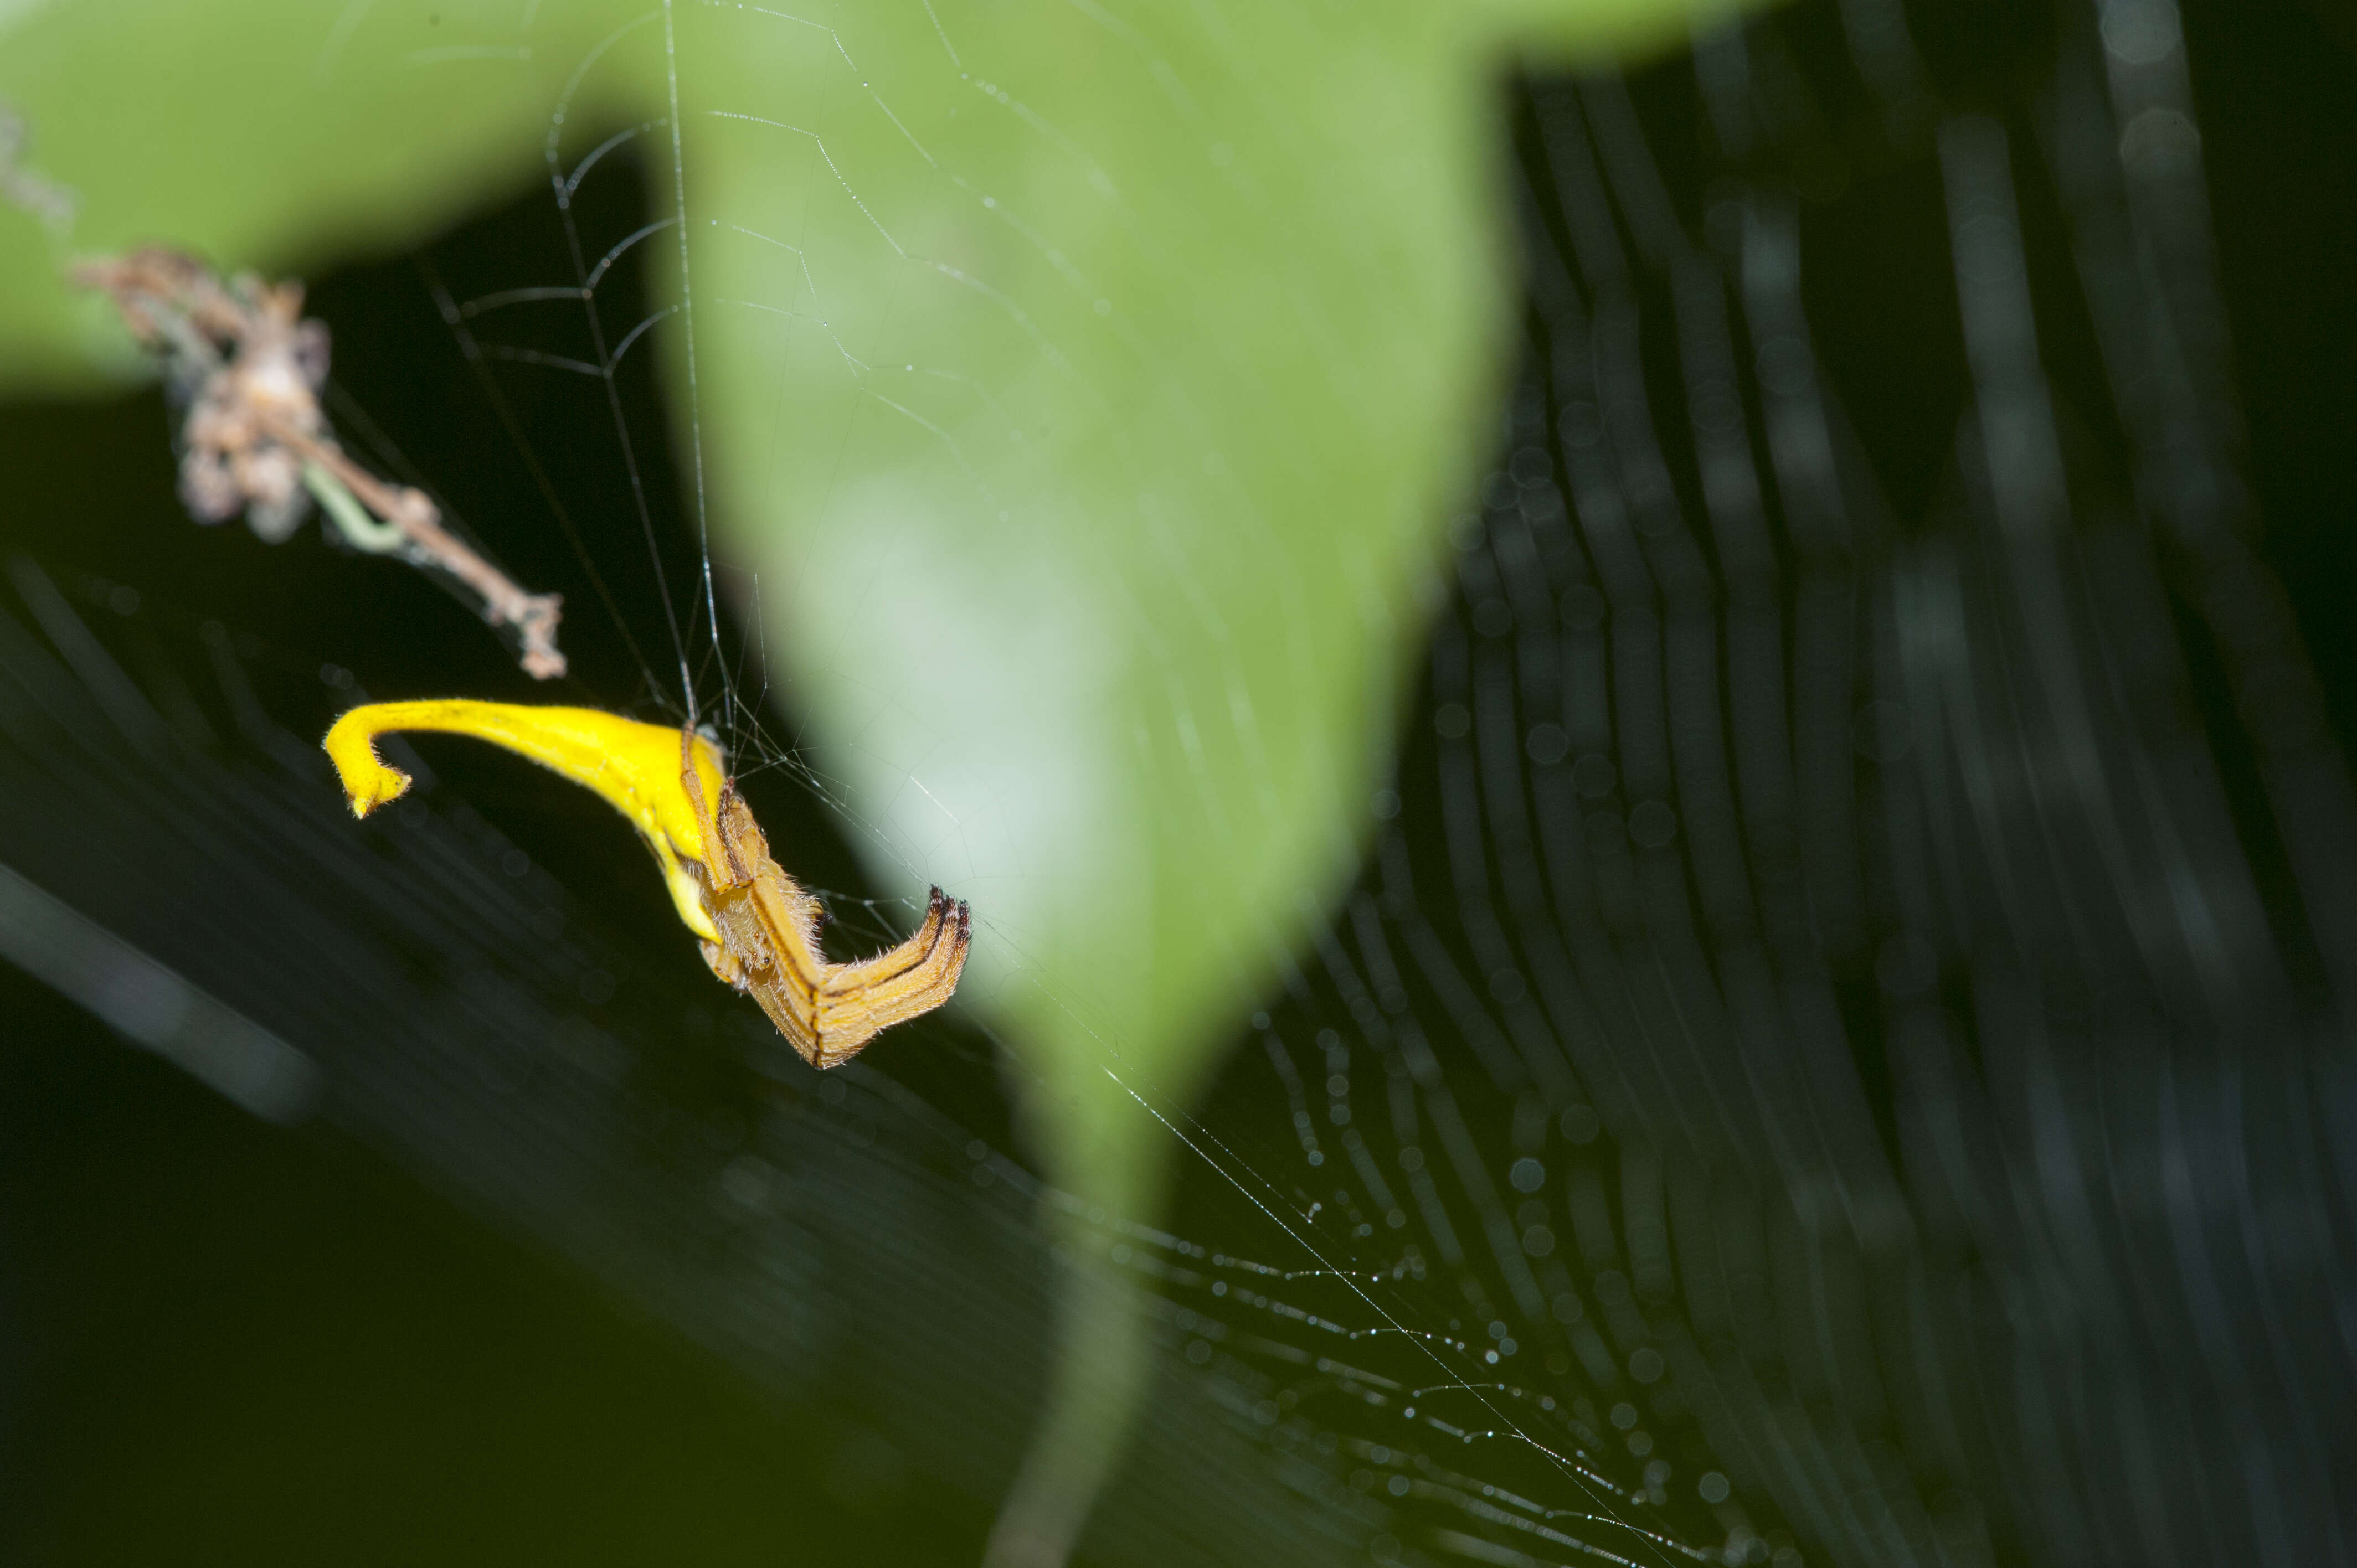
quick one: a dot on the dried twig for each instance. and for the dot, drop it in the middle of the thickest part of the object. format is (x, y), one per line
(254, 439)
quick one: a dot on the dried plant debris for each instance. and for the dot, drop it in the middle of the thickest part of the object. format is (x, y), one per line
(247, 367)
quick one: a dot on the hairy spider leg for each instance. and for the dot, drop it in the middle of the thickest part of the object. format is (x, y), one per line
(924, 987)
(922, 964)
(891, 965)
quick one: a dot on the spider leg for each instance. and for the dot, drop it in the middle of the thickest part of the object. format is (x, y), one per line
(735, 844)
(896, 960)
(715, 862)
(829, 1027)
(847, 1020)
(790, 1010)
(725, 965)
(791, 916)
(917, 989)
(925, 985)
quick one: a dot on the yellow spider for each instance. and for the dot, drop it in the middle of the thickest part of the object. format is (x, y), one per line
(760, 930)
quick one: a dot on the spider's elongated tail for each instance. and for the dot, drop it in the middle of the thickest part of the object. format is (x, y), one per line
(637, 767)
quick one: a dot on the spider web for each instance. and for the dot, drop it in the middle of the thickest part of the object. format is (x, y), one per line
(1834, 1053)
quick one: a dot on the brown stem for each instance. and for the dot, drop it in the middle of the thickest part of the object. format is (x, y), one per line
(176, 308)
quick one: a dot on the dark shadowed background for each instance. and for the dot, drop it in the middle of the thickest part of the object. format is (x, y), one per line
(567, 1260)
